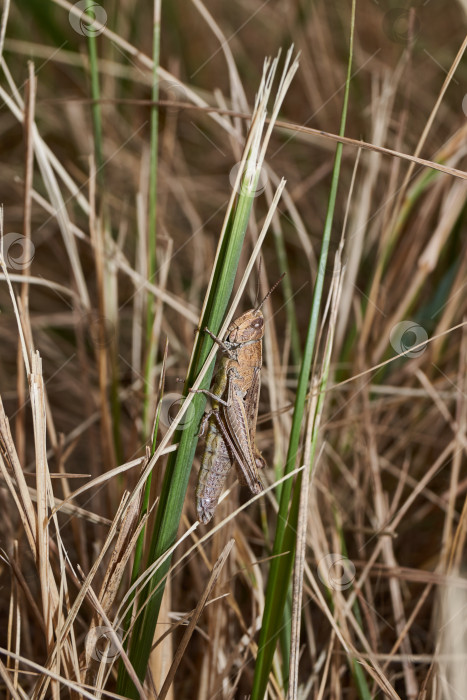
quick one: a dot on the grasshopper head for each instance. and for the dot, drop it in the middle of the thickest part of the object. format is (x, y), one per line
(249, 326)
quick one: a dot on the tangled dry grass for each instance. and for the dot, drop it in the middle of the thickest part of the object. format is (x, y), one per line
(380, 549)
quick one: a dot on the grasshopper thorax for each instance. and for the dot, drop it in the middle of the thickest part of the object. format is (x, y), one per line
(248, 327)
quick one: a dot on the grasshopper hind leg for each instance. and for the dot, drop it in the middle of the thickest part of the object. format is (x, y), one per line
(254, 485)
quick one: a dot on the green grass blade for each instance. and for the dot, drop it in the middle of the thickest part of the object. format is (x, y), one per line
(179, 464)
(152, 214)
(151, 341)
(284, 543)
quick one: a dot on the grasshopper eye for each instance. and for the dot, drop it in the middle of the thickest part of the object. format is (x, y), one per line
(258, 323)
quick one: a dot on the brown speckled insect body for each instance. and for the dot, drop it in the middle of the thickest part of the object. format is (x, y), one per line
(231, 422)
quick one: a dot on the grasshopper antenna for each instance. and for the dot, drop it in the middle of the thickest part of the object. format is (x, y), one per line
(258, 282)
(271, 291)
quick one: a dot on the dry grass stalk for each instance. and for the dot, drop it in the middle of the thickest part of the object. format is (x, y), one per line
(389, 496)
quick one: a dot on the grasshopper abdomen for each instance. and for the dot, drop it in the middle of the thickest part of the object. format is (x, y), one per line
(215, 466)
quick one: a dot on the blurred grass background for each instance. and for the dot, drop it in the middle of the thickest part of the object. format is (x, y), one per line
(389, 482)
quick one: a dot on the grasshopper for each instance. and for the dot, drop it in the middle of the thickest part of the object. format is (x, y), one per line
(231, 422)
